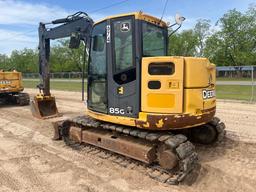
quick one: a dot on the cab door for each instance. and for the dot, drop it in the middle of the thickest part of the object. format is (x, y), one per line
(97, 71)
(123, 78)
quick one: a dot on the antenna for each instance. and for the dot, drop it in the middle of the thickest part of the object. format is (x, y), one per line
(165, 5)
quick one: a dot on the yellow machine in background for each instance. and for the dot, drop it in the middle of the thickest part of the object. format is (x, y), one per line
(11, 88)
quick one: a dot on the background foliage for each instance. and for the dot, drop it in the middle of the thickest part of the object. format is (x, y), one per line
(231, 41)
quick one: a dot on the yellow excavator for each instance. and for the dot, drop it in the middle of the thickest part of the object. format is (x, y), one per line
(11, 88)
(141, 103)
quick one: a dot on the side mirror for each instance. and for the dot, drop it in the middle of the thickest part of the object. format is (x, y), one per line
(179, 19)
(74, 42)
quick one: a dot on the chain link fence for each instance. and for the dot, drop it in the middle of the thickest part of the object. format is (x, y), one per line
(59, 75)
(236, 82)
(233, 82)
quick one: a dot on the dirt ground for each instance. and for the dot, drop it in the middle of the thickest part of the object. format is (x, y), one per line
(31, 161)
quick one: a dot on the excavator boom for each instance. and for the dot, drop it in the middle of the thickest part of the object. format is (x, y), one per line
(78, 27)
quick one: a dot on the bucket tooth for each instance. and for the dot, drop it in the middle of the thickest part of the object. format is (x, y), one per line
(44, 107)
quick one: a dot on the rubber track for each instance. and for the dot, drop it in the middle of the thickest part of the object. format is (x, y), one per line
(23, 99)
(184, 149)
(220, 128)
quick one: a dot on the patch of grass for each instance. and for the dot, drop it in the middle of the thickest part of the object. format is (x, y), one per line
(66, 86)
(239, 92)
(233, 79)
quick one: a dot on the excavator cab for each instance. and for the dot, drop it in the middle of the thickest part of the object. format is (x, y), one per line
(118, 45)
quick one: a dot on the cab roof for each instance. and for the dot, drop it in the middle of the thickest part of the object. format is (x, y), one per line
(140, 16)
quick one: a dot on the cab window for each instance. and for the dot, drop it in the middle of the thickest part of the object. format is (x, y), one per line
(154, 40)
(123, 42)
(124, 69)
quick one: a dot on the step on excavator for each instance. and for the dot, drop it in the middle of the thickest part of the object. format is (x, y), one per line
(141, 103)
(11, 88)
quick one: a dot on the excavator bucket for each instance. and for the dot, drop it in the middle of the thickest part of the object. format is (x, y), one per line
(44, 107)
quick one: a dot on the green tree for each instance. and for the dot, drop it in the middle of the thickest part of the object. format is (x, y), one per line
(62, 59)
(4, 62)
(201, 30)
(24, 61)
(65, 59)
(235, 42)
(190, 42)
(183, 43)
(215, 50)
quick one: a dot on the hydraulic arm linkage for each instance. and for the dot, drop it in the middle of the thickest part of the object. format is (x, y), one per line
(78, 27)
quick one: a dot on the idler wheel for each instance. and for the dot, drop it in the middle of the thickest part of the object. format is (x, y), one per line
(205, 134)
